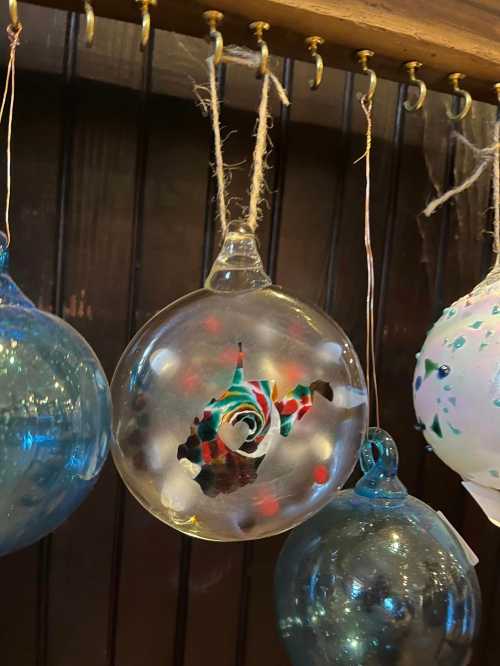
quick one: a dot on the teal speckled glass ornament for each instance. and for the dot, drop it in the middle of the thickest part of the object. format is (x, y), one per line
(55, 417)
(377, 578)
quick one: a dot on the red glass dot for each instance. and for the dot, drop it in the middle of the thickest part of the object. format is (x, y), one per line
(212, 324)
(269, 506)
(229, 356)
(293, 372)
(321, 474)
(190, 382)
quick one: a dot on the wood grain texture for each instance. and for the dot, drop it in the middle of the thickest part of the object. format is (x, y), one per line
(451, 35)
(97, 245)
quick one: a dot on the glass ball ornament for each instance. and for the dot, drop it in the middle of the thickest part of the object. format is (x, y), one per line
(376, 578)
(55, 417)
(456, 386)
(239, 409)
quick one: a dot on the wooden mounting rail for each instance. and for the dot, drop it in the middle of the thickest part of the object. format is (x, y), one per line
(446, 35)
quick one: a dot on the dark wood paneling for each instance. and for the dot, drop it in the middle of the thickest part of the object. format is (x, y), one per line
(405, 312)
(116, 587)
(96, 251)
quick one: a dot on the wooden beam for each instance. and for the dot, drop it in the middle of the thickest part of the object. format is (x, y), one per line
(446, 35)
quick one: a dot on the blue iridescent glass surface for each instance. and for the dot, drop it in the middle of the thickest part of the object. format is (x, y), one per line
(376, 578)
(55, 415)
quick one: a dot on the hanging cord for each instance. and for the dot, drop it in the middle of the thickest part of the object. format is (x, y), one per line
(240, 56)
(496, 192)
(259, 165)
(219, 161)
(371, 370)
(10, 81)
(486, 157)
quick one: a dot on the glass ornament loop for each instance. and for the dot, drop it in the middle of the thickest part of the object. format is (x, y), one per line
(380, 480)
(238, 266)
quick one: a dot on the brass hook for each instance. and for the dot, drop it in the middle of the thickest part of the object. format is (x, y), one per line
(496, 87)
(259, 27)
(455, 79)
(90, 23)
(146, 20)
(363, 57)
(410, 67)
(312, 44)
(213, 18)
(14, 16)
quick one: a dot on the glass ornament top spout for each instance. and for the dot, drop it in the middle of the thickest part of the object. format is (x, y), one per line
(238, 266)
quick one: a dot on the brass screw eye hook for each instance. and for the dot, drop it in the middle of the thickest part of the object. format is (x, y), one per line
(496, 87)
(14, 16)
(259, 27)
(146, 20)
(363, 56)
(411, 67)
(89, 23)
(455, 79)
(213, 18)
(312, 44)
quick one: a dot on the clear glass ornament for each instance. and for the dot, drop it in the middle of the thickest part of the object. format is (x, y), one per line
(377, 578)
(456, 387)
(55, 417)
(238, 410)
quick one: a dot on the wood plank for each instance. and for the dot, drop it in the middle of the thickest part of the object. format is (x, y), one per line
(404, 316)
(450, 35)
(97, 250)
(170, 266)
(349, 291)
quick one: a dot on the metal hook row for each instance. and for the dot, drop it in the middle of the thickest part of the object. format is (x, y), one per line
(214, 18)
(144, 6)
(411, 66)
(15, 24)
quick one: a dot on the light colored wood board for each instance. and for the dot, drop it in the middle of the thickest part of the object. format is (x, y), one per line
(450, 35)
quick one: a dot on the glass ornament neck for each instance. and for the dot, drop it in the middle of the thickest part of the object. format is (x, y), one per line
(238, 266)
(10, 294)
(4, 253)
(380, 480)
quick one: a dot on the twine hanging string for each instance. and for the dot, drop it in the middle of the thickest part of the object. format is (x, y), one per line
(14, 34)
(371, 369)
(247, 58)
(219, 161)
(486, 158)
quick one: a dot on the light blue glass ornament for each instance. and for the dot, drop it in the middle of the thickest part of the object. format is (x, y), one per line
(377, 578)
(55, 417)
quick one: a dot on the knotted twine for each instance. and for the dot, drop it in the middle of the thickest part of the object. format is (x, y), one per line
(14, 34)
(486, 157)
(247, 58)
